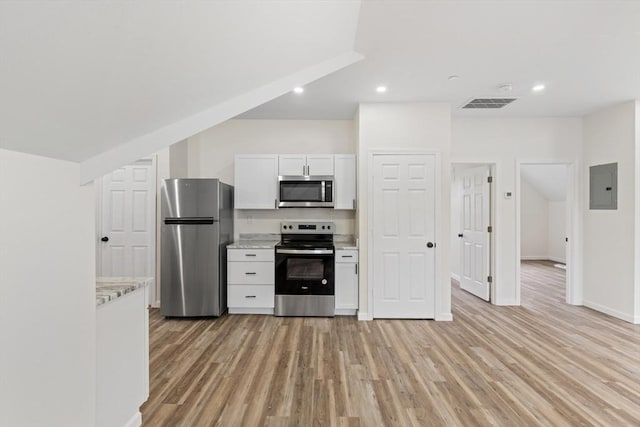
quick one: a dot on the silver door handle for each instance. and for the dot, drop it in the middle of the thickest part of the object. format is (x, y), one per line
(250, 296)
(305, 251)
(275, 203)
(346, 256)
(303, 170)
(304, 288)
(250, 274)
(354, 203)
(249, 254)
(356, 269)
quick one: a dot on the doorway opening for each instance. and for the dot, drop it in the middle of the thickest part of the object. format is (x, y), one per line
(126, 223)
(543, 235)
(472, 222)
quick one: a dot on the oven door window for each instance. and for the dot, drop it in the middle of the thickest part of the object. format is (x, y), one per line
(301, 191)
(305, 269)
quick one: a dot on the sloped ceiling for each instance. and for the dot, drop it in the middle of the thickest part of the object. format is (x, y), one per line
(549, 180)
(584, 51)
(82, 78)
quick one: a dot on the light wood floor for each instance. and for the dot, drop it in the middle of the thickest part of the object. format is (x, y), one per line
(545, 363)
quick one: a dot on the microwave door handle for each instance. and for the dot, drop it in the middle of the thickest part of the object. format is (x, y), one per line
(323, 191)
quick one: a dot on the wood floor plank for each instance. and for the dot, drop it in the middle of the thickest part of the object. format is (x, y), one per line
(545, 363)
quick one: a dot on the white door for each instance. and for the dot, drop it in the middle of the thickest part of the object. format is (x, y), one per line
(127, 226)
(404, 236)
(476, 208)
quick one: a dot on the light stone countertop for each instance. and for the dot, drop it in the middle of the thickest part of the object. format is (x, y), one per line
(345, 242)
(255, 241)
(111, 288)
(253, 244)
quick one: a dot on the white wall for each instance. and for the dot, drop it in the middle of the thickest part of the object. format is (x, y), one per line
(557, 226)
(47, 293)
(534, 222)
(416, 126)
(504, 141)
(609, 235)
(211, 155)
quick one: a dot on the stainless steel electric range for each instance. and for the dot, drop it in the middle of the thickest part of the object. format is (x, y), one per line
(305, 276)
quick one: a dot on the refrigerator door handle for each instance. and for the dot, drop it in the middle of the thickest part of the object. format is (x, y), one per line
(189, 221)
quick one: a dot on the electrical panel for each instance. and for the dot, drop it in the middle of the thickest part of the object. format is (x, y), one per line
(603, 186)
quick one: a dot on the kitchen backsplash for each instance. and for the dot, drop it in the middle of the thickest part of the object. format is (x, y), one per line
(268, 221)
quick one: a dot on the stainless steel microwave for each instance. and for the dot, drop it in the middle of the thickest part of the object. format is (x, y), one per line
(305, 191)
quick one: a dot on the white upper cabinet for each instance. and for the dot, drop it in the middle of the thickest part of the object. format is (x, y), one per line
(292, 164)
(256, 181)
(320, 164)
(345, 181)
(304, 165)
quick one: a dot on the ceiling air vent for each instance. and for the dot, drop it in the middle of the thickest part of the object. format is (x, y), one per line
(484, 103)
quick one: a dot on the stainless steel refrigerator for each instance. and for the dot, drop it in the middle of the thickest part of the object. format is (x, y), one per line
(197, 224)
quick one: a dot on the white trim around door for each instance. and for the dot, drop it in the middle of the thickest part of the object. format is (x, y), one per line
(573, 291)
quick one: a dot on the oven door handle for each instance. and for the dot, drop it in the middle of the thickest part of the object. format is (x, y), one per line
(305, 251)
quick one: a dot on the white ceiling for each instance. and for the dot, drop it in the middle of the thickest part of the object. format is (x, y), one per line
(549, 180)
(78, 78)
(587, 53)
(87, 80)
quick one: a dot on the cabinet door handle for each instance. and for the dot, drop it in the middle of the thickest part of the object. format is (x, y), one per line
(346, 256)
(250, 296)
(356, 268)
(250, 273)
(308, 170)
(354, 203)
(249, 254)
(275, 203)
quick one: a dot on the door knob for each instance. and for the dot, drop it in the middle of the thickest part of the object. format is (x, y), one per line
(460, 235)
(430, 245)
(105, 239)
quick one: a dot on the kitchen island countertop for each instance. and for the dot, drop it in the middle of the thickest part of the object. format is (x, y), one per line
(111, 288)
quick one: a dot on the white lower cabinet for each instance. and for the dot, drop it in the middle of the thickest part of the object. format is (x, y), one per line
(346, 282)
(250, 281)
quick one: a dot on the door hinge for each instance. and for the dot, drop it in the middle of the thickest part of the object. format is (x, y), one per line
(489, 179)
(490, 279)
(490, 229)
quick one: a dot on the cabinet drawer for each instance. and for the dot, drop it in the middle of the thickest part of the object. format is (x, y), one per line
(247, 296)
(346, 256)
(250, 273)
(250, 255)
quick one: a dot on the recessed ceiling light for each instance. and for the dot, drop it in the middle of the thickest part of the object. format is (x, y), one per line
(538, 88)
(298, 89)
(381, 89)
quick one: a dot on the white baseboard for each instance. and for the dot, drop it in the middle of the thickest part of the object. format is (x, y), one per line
(364, 316)
(346, 311)
(444, 317)
(135, 421)
(507, 302)
(611, 312)
(455, 276)
(243, 310)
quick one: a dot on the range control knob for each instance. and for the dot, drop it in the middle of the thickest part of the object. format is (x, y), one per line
(329, 227)
(323, 227)
(290, 227)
